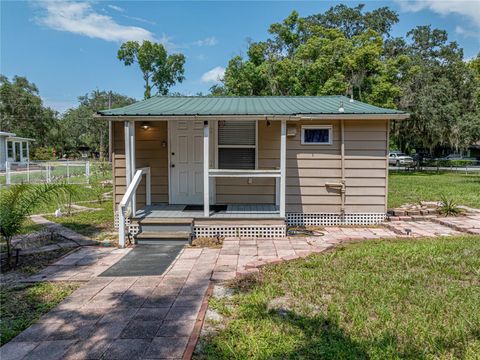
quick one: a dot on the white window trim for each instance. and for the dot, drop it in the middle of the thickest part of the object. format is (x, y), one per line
(218, 146)
(319, 127)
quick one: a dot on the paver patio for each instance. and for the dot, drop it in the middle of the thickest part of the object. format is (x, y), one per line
(152, 317)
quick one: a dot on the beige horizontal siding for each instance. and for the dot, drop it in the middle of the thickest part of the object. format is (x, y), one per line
(148, 153)
(310, 167)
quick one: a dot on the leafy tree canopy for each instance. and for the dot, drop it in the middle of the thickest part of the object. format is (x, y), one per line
(348, 51)
(78, 127)
(304, 57)
(159, 69)
(22, 111)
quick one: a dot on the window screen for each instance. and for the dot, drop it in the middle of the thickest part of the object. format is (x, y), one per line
(317, 135)
(236, 133)
(236, 144)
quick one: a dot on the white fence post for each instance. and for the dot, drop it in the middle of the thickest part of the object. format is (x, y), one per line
(28, 169)
(7, 173)
(68, 173)
(87, 171)
(49, 174)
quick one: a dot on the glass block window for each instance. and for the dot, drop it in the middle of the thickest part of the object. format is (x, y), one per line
(316, 134)
(237, 144)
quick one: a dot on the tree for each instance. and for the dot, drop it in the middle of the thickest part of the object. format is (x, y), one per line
(159, 69)
(78, 127)
(22, 111)
(310, 56)
(439, 90)
(351, 21)
(348, 51)
(18, 201)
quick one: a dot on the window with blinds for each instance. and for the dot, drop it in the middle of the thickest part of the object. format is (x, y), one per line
(237, 144)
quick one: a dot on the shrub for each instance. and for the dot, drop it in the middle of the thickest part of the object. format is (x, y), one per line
(449, 207)
(44, 153)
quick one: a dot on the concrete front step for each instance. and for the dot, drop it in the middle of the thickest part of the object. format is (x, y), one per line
(164, 235)
(162, 241)
(164, 230)
(164, 220)
(165, 227)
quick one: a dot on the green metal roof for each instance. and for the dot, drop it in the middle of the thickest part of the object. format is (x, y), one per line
(246, 105)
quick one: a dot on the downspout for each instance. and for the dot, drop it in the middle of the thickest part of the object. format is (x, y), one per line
(342, 160)
(342, 184)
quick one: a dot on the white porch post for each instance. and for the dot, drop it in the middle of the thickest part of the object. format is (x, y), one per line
(283, 162)
(133, 166)
(110, 140)
(128, 161)
(128, 178)
(148, 185)
(206, 168)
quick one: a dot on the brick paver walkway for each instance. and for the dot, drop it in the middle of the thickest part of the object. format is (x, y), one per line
(469, 224)
(84, 264)
(152, 317)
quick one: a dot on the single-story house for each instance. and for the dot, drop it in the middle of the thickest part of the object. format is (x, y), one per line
(247, 166)
(13, 149)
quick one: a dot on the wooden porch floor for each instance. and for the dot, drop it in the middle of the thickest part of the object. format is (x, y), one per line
(233, 211)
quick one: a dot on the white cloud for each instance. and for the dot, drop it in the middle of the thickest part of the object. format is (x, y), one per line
(116, 8)
(209, 41)
(80, 18)
(467, 8)
(466, 32)
(140, 19)
(214, 75)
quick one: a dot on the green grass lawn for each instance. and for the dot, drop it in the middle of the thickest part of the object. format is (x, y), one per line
(22, 306)
(90, 223)
(394, 299)
(411, 188)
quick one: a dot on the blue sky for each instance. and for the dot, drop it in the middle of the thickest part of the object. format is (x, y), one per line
(69, 48)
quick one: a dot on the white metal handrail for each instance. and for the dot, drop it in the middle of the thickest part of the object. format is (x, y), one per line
(127, 200)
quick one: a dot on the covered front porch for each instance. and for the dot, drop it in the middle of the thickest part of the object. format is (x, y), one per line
(230, 211)
(202, 182)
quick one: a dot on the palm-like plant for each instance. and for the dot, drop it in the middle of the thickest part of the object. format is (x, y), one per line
(449, 207)
(17, 203)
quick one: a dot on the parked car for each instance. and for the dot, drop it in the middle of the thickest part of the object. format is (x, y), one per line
(422, 158)
(453, 157)
(398, 158)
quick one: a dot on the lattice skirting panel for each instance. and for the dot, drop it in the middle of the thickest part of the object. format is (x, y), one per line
(131, 228)
(241, 231)
(332, 219)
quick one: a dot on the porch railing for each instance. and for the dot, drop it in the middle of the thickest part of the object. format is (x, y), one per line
(243, 173)
(127, 201)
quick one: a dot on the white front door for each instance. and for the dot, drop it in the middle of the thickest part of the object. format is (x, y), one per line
(186, 162)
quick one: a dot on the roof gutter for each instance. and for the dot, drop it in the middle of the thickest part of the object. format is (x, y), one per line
(254, 117)
(354, 117)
